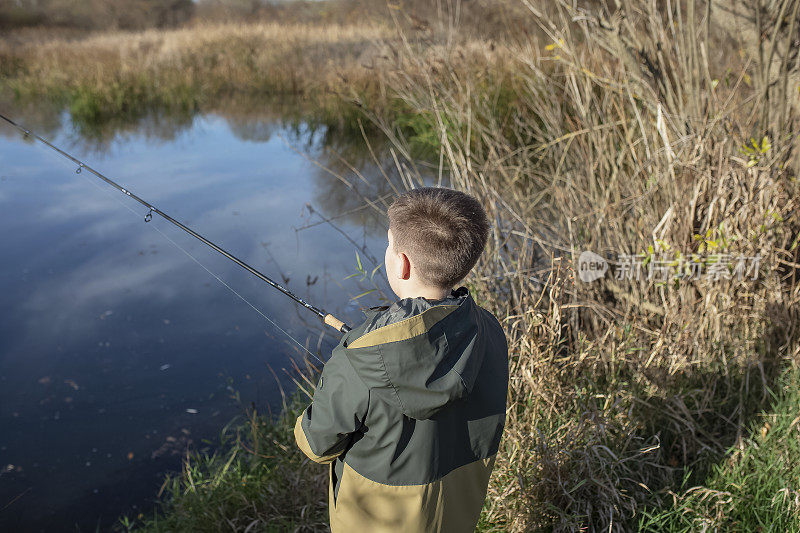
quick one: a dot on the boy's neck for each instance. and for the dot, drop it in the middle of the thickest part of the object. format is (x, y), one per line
(429, 293)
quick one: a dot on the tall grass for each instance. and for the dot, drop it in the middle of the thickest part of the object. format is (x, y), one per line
(626, 130)
(319, 55)
(122, 74)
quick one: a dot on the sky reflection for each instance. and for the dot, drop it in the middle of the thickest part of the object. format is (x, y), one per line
(109, 333)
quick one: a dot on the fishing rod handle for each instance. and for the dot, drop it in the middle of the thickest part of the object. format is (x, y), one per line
(335, 323)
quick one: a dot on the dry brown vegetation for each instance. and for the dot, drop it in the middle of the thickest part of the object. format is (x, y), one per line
(108, 75)
(628, 130)
(112, 74)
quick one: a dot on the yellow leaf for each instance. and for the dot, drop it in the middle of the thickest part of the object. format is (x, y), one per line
(558, 44)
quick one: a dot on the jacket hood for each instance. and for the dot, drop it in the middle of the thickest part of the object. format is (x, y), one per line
(424, 354)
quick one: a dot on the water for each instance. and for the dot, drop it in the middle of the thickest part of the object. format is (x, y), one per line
(117, 351)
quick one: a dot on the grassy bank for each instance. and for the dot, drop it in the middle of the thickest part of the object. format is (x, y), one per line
(634, 403)
(756, 487)
(121, 75)
(334, 59)
(257, 479)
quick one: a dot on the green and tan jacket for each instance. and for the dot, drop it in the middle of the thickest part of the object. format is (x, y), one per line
(409, 411)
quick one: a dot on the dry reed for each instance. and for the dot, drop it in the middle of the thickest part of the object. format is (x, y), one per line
(110, 75)
(627, 130)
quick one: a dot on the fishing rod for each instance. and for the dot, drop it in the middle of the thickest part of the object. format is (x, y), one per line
(327, 318)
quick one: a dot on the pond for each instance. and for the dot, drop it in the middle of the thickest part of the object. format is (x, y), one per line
(118, 351)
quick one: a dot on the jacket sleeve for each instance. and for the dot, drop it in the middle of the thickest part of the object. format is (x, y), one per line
(338, 410)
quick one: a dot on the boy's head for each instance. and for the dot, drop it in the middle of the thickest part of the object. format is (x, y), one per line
(435, 238)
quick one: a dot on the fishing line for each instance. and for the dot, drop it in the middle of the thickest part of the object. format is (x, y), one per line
(327, 318)
(218, 278)
(245, 300)
(184, 250)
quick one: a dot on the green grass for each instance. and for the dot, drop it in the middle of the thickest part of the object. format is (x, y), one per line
(259, 477)
(258, 480)
(756, 487)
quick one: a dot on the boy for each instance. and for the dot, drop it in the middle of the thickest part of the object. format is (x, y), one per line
(410, 407)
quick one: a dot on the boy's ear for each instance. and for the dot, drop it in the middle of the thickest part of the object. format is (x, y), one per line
(405, 268)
